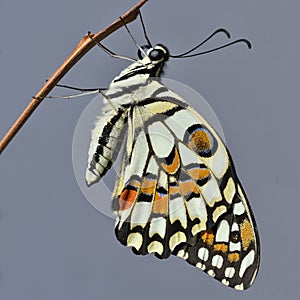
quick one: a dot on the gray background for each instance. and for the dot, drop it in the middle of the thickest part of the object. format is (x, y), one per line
(53, 243)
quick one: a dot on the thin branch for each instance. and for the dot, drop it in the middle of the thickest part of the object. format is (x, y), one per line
(81, 49)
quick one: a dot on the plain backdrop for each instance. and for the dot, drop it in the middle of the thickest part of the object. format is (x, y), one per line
(53, 243)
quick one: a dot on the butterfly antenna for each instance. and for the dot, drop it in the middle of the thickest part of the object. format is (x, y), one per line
(222, 30)
(144, 30)
(245, 41)
(135, 42)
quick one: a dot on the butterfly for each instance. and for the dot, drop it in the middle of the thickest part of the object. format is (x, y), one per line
(177, 192)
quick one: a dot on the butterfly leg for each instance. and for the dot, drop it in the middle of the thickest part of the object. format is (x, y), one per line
(111, 53)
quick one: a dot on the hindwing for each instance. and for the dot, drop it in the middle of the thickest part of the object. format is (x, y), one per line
(228, 251)
(178, 194)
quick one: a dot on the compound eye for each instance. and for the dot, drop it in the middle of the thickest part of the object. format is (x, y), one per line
(156, 55)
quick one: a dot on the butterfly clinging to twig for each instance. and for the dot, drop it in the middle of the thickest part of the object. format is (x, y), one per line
(177, 192)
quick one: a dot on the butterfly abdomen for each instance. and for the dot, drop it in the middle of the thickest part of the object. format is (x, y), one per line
(107, 137)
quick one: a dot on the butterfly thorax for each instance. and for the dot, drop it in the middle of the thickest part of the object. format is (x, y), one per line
(134, 83)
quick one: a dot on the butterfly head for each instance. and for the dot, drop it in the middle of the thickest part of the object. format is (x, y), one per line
(156, 54)
(154, 58)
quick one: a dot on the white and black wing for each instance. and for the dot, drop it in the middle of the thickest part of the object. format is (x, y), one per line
(178, 193)
(228, 251)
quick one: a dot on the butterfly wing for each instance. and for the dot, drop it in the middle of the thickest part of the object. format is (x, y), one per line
(228, 251)
(177, 189)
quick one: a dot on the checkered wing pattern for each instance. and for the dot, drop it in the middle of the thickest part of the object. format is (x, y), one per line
(178, 194)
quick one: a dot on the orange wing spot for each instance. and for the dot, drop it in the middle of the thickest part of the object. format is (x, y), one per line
(127, 198)
(160, 205)
(134, 183)
(233, 257)
(221, 247)
(208, 237)
(187, 187)
(174, 166)
(247, 235)
(148, 186)
(174, 189)
(200, 141)
(197, 173)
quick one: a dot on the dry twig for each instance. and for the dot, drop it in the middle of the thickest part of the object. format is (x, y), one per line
(81, 49)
